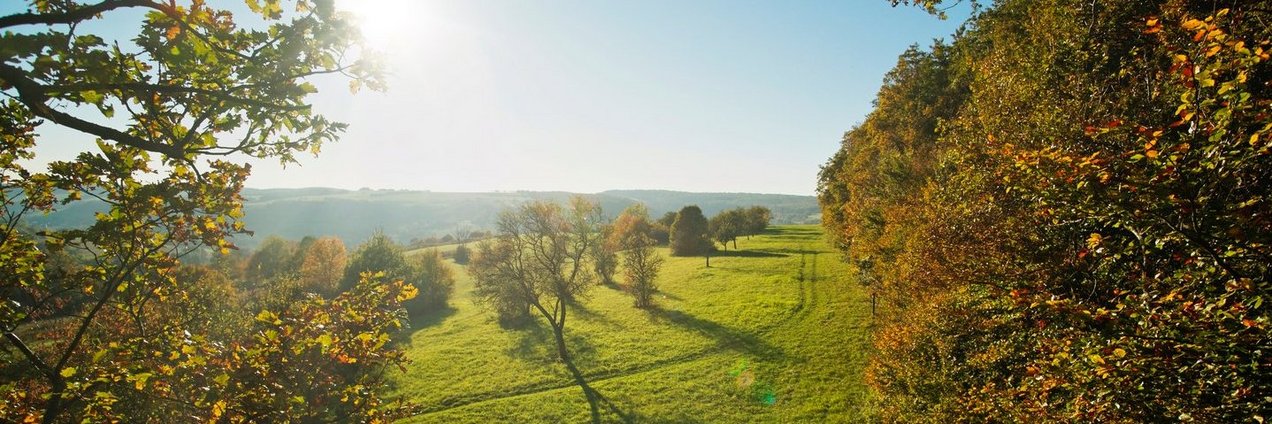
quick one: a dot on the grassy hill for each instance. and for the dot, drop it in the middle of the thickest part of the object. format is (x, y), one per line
(406, 214)
(771, 333)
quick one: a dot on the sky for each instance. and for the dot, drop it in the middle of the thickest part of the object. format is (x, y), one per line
(587, 96)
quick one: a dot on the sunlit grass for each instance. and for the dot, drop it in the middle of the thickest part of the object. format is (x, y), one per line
(770, 333)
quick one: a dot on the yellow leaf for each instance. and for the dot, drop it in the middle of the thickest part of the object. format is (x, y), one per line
(1094, 240)
(173, 31)
(218, 409)
(68, 372)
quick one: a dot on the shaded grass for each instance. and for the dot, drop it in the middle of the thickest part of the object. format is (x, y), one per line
(773, 333)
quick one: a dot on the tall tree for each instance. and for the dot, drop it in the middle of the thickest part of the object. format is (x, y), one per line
(690, 233)
(536, 260)
(160, 112)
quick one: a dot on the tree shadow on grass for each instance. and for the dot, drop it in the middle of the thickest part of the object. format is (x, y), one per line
(422, 320)
(595, 400)
(584, 312)
(746, 254)
(724, 336)
(534, 343)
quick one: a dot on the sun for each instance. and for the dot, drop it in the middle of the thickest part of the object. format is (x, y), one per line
(382, 22)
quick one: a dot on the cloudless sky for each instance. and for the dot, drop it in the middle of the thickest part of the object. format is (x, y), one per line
(586, 96)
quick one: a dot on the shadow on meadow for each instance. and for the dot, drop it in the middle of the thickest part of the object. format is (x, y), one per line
(746, 254)
(724, 336)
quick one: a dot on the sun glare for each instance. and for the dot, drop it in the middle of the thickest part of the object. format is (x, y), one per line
(382, 22)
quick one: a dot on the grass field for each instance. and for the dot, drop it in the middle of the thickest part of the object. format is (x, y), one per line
(774, 332)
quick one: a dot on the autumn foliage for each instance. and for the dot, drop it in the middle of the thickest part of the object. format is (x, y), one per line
(1065, 214)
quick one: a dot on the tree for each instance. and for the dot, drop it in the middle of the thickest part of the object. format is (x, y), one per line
(323, 265)
(536, 261)
(641, 262)
(166, 108)
(604, 257)
(275, 258)
(462, 254)
(727, 225)
(378, 254)
(756, 220)
(433, 278)
(689, 233)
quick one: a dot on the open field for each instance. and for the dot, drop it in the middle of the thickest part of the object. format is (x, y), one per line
(774, 332)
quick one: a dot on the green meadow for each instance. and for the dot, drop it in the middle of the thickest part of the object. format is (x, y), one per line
(772, 332)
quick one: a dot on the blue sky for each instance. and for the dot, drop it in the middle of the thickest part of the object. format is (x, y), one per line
(585, 96)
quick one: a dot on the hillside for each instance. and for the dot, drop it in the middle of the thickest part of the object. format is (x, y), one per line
(407, 214)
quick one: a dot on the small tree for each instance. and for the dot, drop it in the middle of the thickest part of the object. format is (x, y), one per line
(640, 261)
(604, 257)
(689, 233)
(434, 279)
(726, 226)
(377, 254)
(755, 220)
(537, 261)
(462, 254)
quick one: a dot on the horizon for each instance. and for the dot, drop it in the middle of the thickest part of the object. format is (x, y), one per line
(523, 191)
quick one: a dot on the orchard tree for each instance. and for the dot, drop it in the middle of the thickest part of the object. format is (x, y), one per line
(537, 261)
(164, 117)
(690, 233)
(727, 225)
(755, 220)
(605, 255)
(641, 262)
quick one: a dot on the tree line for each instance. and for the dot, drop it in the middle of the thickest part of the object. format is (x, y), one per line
(1064, 213)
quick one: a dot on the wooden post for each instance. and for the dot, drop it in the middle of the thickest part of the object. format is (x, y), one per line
(874, 300)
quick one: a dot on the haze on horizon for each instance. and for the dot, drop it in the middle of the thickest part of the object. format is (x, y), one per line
(711, 96)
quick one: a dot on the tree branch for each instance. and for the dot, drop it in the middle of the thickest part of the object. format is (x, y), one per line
(69, 17)
(31, 94)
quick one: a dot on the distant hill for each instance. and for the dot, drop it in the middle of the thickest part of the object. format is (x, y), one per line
(407, 214)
